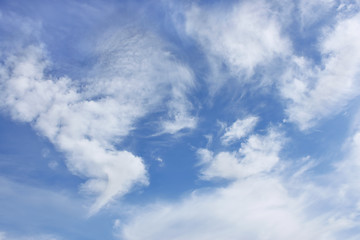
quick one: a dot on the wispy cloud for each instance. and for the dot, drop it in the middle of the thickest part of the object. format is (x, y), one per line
(318, 92)
(239, 129)
(145, 74)
(256, 208)
(243, 36)
(256, 205)
(313, 11)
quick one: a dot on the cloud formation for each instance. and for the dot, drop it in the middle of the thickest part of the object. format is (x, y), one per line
(255, 208)
(258, 154)
(151, 71)
(262, 201)
(239, 129)
(255, 205)
(243, 36)
(87, 118)
(315, 93)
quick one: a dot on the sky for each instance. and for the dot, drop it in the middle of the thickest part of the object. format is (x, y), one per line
(179, 120)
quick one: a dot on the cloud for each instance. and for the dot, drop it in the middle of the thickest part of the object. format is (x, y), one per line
(255, 208)
(82, 128)
(243, 36)
(256, 204)
(347, 171)
(239, 129)
(258, 154)
(314, 93)
(135, 81)
(139, 66)
(87, 118)
(179, 118)
(312, 11)
(179, 107)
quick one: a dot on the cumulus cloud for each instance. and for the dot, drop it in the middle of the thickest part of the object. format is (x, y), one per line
(258, 154)
(239, 129)
(86, 118)
(314, 93)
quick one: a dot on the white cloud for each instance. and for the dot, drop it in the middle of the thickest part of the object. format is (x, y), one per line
(315, 93)
(179, 107)
(83, 129)
(239, 129)
(146, 75)
(259, 154)
(256, 208)
(86, 119)
(348, 171)
(179, 119)
(258, 204)
(160, 161)
(244, 36)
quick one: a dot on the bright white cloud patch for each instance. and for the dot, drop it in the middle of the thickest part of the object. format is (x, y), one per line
(258, 154)
(243, 36)
(239, 129)
(315, 93)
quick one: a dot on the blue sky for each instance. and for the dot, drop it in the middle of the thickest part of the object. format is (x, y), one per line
(190, 120)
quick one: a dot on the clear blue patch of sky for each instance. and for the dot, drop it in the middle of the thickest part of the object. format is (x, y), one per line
(26, 158)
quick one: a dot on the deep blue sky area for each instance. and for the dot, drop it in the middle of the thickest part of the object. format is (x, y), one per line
(168, 120)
